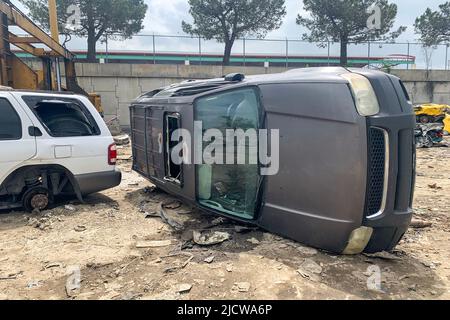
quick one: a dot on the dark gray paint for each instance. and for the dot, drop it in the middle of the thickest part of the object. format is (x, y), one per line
(99, 181)
(320, 188)
(319, 195)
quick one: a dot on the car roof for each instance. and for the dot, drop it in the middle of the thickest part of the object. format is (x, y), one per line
(44, 94)
(188, 91)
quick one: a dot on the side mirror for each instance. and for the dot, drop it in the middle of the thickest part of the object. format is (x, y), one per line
(34, 132)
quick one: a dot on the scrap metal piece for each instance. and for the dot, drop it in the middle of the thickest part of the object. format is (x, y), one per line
(210, 238)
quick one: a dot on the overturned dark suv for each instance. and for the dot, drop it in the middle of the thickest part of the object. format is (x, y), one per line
(340, 166)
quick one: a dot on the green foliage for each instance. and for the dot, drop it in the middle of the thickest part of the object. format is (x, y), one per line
(345, 21)
(227, 20)
(434, 26)
(98, 18)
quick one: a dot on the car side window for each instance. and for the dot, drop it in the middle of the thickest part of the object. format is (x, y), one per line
(63, 117)
(10, 123)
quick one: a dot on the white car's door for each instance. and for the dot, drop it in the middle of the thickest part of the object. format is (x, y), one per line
(16, 144)
(73, 136)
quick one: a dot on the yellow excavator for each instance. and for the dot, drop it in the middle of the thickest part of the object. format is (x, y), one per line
(16, 74)
(433, 113)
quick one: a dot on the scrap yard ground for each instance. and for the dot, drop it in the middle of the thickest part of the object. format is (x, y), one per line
(123, 250)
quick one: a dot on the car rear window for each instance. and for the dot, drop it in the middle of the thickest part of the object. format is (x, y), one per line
(10, 124)
(63, 117)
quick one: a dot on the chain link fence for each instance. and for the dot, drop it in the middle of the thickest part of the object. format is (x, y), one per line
(279, 52)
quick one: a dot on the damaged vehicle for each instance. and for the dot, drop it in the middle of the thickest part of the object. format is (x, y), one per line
(428, 135)
(52, 145)
(345, 146)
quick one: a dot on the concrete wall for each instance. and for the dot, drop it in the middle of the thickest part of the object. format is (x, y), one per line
(426, 86)
(119, 84)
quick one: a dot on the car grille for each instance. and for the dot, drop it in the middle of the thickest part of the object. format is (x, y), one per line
(376, 175)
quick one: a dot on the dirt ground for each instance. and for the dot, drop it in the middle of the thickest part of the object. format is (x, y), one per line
(120, 250)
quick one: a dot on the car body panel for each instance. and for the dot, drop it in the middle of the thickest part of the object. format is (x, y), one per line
(320, 195)
(16, 152)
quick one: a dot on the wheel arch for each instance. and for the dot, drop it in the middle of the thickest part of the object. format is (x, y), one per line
(21, 172)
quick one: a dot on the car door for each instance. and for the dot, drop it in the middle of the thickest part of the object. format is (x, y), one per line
(16, 144)
(71, 134)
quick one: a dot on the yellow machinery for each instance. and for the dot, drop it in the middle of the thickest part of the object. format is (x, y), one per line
(16, 74)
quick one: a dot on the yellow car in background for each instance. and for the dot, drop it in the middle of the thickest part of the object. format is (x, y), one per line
(433, 113)
(447, 123)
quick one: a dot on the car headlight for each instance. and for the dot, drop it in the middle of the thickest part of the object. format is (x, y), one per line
(358, 241)
(365, 97)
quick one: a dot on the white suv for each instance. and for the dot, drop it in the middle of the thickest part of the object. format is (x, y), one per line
(52, 145)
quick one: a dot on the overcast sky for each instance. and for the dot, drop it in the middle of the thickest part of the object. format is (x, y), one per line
(164, 17)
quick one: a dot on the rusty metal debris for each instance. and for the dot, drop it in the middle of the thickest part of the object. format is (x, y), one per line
(165, 218)
(161, 213)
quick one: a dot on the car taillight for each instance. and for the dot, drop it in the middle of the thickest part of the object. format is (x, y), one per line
(112, 154)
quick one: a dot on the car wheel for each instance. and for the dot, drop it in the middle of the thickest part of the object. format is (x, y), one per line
(36, 198)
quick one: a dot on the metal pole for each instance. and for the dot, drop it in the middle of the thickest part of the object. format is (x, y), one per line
(287, 53)
(107, 49)
(200, 48)
(407, 65)
(243, 42)
(328, 52)
(446, 56)
(154, 50)
(58, 75)
(368, 54)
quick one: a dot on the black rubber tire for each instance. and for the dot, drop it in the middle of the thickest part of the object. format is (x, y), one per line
(30, 196)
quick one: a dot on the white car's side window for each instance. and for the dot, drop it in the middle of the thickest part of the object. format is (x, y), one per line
(10, 123)
(63, 117)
